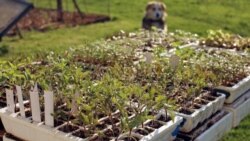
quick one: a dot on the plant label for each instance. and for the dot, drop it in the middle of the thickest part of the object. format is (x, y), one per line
(35, 106)
(10, 101)
(20, 100)
(174, 61)
(149, 57)
(49, 108)
(74, 109)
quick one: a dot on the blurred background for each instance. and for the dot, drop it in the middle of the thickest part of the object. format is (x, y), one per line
(196, 16)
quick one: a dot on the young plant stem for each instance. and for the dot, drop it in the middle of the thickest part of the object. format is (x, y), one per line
(166, 113)
(68, 119)
(111, 120)
(15, 101)
(130, 133)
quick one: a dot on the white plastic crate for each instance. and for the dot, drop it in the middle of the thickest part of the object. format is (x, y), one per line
(240, 108)
(215, 132)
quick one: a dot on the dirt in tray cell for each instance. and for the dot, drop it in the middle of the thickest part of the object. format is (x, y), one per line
(201, 102)
(234, 81)
(58, 123)
(100, 115)
(195, 106)
(82, 134)
(164, 118)
(68, 128)
(143, 131)
(109, 122)
(154, 124)
(100, 139)
(28, 113)
(131, 139)
(185, 111)
(209, 98)
(101, 126)
(112, 132)
(3, 104)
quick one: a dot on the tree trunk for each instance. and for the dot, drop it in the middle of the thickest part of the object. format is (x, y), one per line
(59, 10)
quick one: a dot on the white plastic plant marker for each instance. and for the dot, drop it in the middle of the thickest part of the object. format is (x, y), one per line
(35, 105)
(174, 61)
(74, 108)
(149, 57)
(20, 100)
(10, 100)
(49, 108)
(172, 51)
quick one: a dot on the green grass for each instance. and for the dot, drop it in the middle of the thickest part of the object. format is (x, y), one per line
(240, 133)
(190, 15)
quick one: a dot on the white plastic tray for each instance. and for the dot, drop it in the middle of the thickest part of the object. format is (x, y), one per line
(237, 90)
(240, 108)
(215, 132)
(191, 121)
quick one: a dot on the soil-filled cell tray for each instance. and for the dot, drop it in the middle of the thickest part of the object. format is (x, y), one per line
(11, 11)
(198, 116)
(236, 91)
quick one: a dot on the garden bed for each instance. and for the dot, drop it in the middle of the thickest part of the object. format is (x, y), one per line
(46, 19)
(124, 88)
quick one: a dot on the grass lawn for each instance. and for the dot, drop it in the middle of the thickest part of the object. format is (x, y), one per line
(190, 15)
(240, 133)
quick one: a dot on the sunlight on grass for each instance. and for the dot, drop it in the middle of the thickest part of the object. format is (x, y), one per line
(192, 15)
(240, 133)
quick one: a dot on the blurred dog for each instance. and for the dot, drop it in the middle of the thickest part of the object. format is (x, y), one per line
(155, 16)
